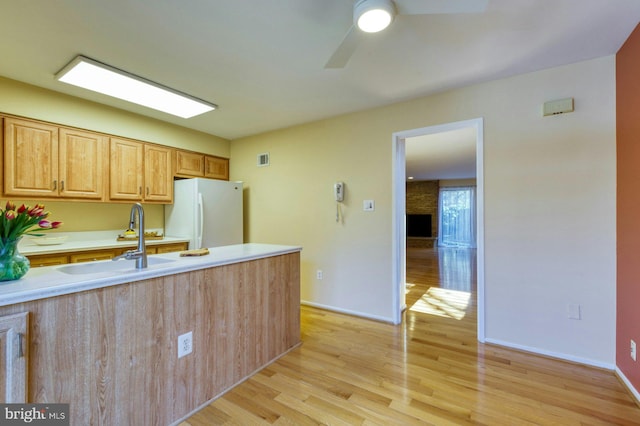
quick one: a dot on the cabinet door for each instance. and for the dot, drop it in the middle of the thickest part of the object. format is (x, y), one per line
(82, 159)
(190, 164)
(216, 167)
(48, 260)
(125, 170)
(91, 256)
(30, 158)
(169, 248)
(158, 179)
(14, 347)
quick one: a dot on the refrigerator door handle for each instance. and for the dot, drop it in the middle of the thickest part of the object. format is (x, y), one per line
(200, 221)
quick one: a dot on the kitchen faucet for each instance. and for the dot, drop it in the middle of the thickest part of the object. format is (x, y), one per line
(140, 255)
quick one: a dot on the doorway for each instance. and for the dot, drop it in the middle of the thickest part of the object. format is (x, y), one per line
(399, 213)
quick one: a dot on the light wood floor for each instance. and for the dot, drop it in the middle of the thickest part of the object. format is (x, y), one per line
(429, 370)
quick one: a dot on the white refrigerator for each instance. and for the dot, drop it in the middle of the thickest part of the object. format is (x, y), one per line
(207, 211)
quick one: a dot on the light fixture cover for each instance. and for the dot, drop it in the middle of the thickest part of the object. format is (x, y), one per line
(98, 77)
(372, 16)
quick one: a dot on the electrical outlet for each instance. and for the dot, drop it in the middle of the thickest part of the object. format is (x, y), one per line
(319, 274)
(185, 344)
(633, 350)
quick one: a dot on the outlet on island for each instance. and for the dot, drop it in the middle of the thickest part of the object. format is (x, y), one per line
(185, 344)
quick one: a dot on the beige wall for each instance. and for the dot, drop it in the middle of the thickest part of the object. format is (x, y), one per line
(547, 243)
(30, 101)
(42, 104)
(81, 217)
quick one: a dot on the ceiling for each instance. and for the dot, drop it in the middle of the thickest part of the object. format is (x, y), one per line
(444, 155)
(262, 61)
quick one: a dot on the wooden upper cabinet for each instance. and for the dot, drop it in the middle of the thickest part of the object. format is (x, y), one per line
(158, 179)
(43, 160)
(140, 172)
(194, 164)
(30, 158)
(189, 164)
(126, 169)
(216, 167)
(82, 168)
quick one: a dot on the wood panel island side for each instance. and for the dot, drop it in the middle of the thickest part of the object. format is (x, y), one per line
(106, 343)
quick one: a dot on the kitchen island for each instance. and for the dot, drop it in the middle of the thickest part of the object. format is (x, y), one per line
(107, 341)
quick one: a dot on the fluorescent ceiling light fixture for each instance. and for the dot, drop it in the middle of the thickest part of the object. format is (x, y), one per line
(93, 75)
(372, 16)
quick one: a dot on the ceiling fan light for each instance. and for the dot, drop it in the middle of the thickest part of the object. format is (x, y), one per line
(372, 16)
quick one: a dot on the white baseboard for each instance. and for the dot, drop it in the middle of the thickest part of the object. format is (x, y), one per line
(628, 384)
(566, 357)
(347, 311)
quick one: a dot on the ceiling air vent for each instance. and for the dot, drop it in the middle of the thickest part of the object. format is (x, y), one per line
(263, 159)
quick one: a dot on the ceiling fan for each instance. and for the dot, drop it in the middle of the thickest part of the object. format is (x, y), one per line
(376, 15)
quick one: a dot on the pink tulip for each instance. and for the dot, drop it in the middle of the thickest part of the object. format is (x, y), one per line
(36, 211)
(10, 214)
(22, 209)
(45, 224)
(56, 224)
(10, 206)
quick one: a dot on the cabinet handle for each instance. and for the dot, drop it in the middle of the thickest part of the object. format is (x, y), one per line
(20, 348)
(147, 190)
(55, 184)
(61, 185)
(140, 190)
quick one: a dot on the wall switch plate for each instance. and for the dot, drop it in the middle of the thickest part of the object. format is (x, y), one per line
(185, 344)
(368, 205)
(633, 350)
(573, 311)
(319, 274)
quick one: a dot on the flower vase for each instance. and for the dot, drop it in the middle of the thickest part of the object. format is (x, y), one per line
(13, 265)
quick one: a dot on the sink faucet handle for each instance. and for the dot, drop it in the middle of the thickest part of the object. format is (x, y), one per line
(122, 256)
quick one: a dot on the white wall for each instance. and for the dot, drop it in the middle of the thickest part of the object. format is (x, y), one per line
(549, 205)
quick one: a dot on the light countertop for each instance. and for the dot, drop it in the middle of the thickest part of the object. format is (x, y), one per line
(82, 241)
(50, 281)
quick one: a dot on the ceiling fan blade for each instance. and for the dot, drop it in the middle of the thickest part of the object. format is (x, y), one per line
(343, 53)
(424, 7)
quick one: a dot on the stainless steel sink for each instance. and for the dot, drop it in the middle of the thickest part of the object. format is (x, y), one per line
(108, 266)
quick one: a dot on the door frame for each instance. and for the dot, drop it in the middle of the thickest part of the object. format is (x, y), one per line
(399, 213)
